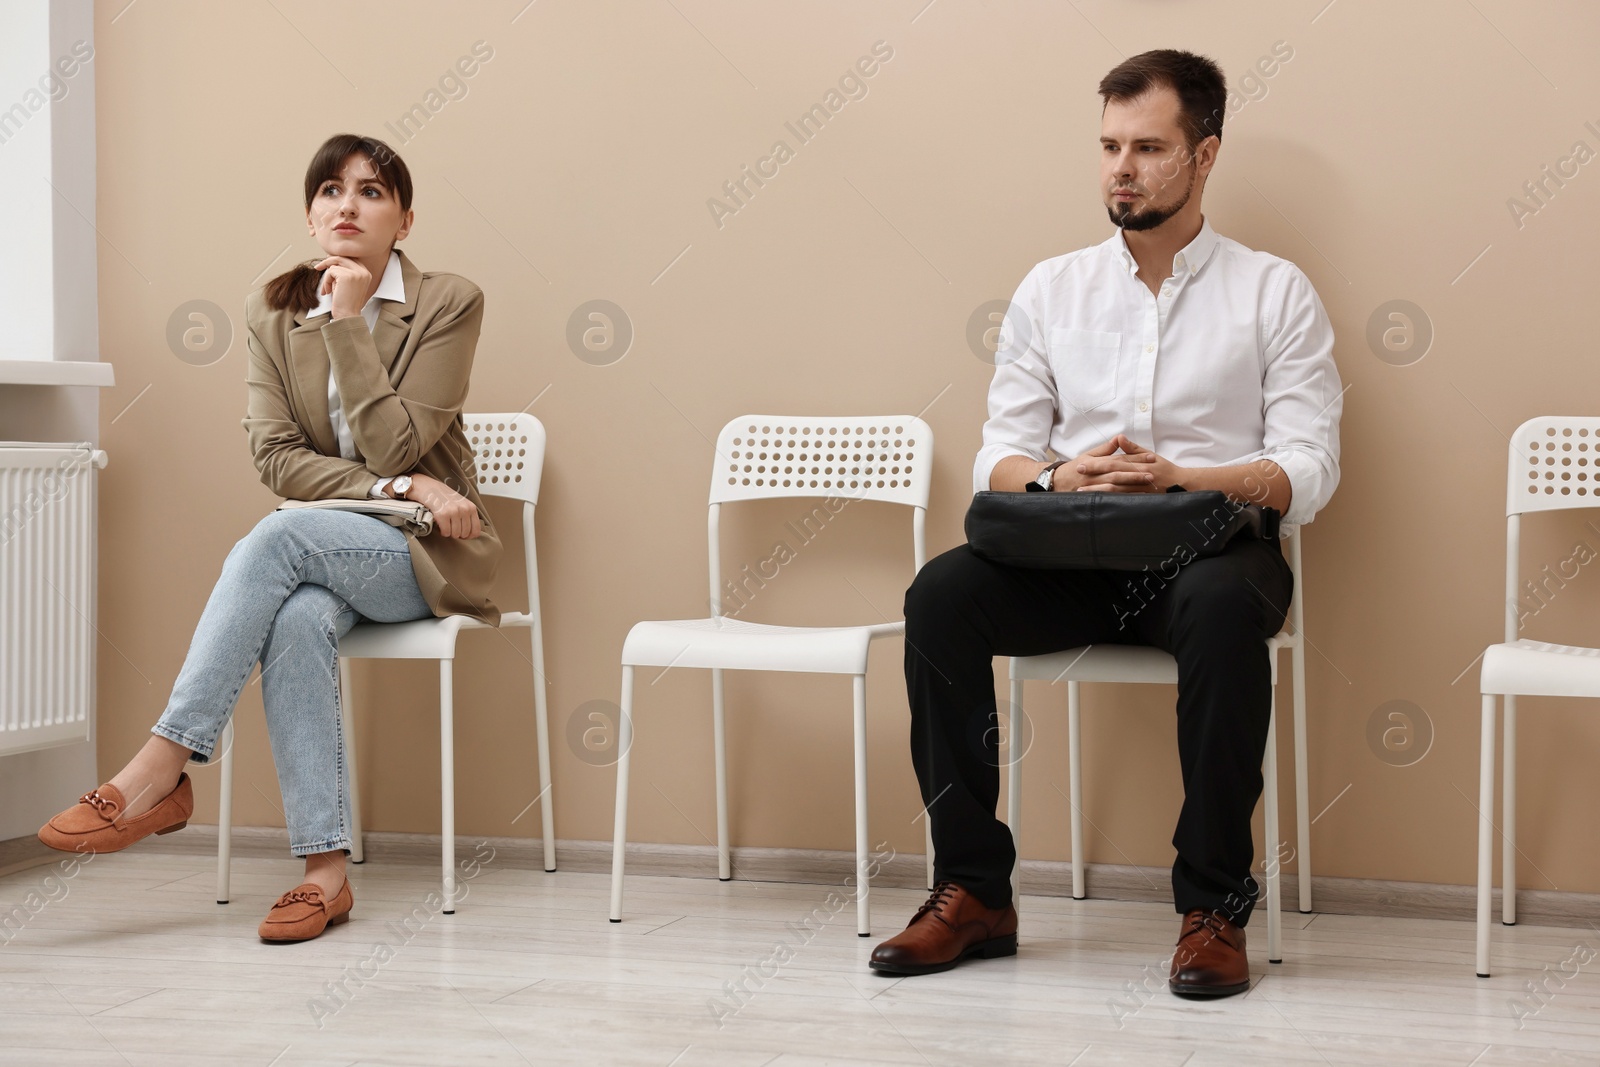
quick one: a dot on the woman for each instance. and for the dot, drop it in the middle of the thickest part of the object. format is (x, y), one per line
(358, 370)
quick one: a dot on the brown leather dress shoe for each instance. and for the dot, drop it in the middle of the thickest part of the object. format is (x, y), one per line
(96, 822)
(951, 926)
(1209, 960)
(301, 913)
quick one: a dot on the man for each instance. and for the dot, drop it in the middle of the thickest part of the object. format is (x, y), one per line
(1165, 356)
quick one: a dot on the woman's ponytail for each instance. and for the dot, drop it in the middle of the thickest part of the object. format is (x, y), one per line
(296, 288)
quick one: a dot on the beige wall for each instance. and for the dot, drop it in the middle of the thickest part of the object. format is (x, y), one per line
(1380, 158)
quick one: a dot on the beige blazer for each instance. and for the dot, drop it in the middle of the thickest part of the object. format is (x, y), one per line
(402, 387)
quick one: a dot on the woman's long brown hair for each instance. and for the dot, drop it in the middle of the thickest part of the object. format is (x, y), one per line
(297, 288)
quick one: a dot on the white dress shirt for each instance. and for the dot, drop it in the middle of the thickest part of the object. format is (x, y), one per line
(390, 287)
(1231, 362)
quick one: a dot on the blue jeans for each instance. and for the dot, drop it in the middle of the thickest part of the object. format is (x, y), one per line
(288, 591)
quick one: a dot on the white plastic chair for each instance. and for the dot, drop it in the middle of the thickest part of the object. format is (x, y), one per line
(1554, 465)
(881, 457)
(1142, 663)
(509, 452)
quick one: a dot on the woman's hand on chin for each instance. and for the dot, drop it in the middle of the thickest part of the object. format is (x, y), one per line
(349, 282)
(453, 514)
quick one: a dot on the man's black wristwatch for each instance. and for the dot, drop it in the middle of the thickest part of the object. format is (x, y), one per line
(1046, 477)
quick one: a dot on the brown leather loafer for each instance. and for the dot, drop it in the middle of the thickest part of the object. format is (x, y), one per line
(96, 823)
(950, 927)
(301, 913)
(1209, 960)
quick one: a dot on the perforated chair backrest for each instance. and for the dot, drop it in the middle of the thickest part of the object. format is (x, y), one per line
(887, 458)
(509, 449)
(875, 457)
(1555, 464)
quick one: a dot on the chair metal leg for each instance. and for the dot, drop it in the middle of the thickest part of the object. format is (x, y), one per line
(720, 741)
(1508, 821)
(1302, 778)
(1274, 840)
(347, 726)
(624, 749)
(447, 779)
(541, 713)
(1485, 831)
(1014, 786)
(225, 815)
(863, 858)
(1075, 786)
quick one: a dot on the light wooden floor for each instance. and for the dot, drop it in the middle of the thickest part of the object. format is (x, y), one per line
(133, 963)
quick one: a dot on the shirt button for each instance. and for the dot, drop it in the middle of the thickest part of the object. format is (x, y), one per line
(1143, 406)
(1149, 348)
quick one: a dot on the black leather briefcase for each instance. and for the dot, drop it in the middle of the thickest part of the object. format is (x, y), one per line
(1110, 531)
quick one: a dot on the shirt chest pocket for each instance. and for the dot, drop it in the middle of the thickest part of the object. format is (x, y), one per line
(1085, 363)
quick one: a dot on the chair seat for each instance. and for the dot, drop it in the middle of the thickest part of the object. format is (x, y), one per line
(419, 639)
(732, 644)
(1113, 663)
(1536, 668)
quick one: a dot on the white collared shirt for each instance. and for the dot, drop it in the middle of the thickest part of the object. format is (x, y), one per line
(391, 286)
(1231, 362)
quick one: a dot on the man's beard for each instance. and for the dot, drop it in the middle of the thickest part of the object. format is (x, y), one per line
(1122, 214)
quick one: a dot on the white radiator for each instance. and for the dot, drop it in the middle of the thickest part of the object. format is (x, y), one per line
(47, 594)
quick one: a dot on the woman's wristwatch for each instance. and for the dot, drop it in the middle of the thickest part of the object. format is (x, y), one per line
(1046, 478)
(400, 485)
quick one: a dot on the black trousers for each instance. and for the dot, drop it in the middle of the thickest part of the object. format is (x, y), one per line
(1213, 615)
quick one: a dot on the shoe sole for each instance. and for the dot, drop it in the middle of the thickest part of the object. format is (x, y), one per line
(81, 845)
(1206, 992)
(994, 948)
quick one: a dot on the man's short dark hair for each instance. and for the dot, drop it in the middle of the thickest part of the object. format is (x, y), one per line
(1202, 90)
